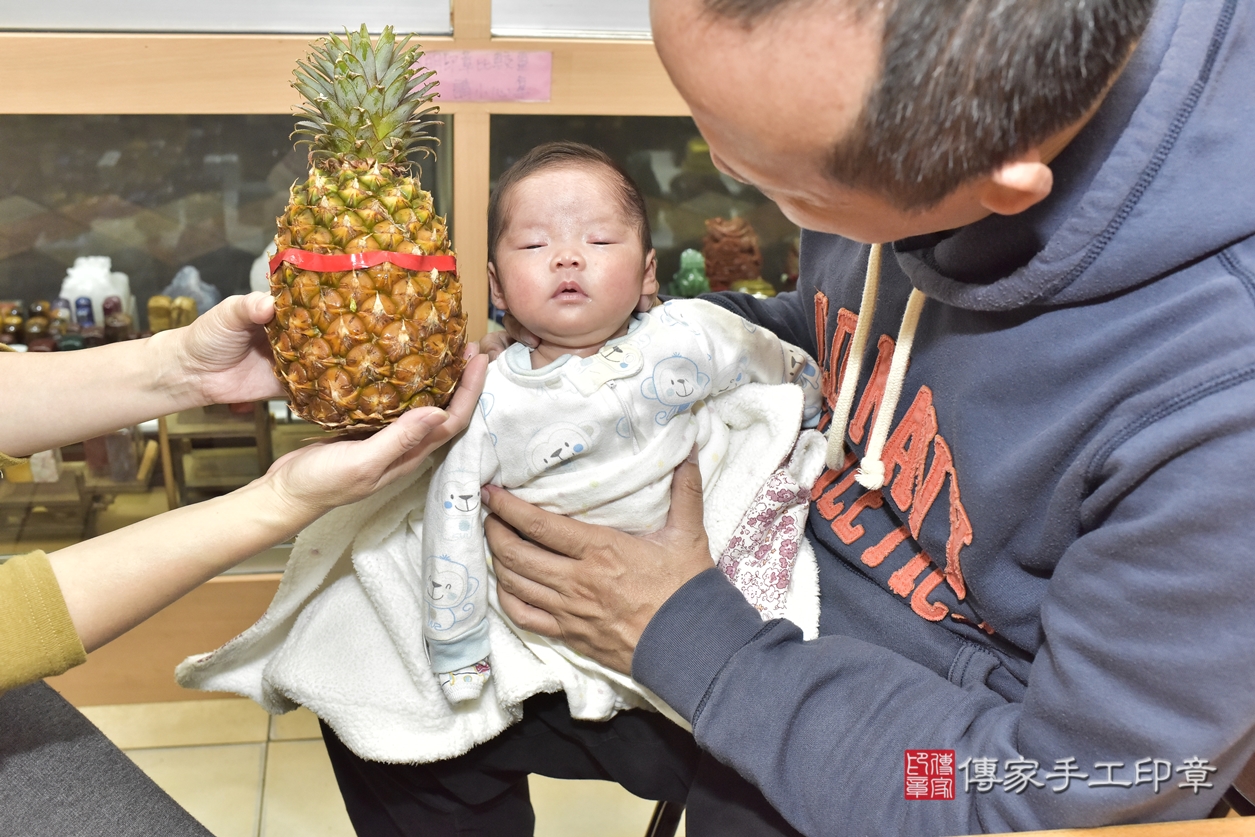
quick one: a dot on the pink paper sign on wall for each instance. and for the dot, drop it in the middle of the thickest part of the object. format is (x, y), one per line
(484, 75)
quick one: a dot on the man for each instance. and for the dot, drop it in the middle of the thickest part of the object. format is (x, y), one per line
(1049, 586)
(1034, 539)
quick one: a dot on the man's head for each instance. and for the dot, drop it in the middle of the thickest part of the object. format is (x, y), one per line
(569, 246)
(879, 120)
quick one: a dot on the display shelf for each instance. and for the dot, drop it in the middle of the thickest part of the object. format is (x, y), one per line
(61, 509)
(212, 422)
(219, 468)
(105, 486)
(290, 436)
(190, 467)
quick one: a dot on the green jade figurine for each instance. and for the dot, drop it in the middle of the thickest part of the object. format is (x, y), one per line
(690, 280)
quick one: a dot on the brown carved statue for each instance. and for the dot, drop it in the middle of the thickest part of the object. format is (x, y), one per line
(730, 248)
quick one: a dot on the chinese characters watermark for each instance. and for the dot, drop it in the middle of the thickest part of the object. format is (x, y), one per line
(929, 774)
(933, 774)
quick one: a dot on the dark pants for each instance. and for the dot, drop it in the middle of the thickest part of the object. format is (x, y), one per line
(485, 791)
(60, 776)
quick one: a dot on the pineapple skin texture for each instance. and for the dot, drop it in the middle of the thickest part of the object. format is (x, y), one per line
(357, 348)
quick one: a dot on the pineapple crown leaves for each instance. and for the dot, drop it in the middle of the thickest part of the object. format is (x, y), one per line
(364, 102)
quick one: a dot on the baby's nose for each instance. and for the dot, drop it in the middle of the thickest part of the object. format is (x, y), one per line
(568, 259)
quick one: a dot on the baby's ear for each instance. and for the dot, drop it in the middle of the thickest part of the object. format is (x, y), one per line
(650, 285)
(494, 289)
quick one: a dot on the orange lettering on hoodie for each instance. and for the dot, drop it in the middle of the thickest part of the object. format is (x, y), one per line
(902, 581)
(913, 481)
(960, 525)
(873, 556)
(821, 327)
(869, 403)
(839, 355)
(932, 611)
(826, 478)
(828, 505)
(844, 527)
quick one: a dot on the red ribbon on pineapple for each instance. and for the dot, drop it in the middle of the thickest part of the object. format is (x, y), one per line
(337, 262)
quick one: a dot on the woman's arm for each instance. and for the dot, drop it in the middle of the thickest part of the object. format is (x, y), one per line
(58, 398)
(115, 581)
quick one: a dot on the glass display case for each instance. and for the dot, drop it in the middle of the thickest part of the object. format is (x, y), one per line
(153, 194)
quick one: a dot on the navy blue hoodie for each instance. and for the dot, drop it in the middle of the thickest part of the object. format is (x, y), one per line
(1057, 580)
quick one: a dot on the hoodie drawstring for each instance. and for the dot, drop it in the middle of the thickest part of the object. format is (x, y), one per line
(853, 362)
(871, 473)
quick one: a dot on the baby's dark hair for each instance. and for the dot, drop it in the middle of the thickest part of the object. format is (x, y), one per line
(552, 155)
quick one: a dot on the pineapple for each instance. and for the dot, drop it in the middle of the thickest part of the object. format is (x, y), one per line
(357, 346)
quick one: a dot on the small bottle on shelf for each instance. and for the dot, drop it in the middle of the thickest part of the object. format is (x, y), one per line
(83, 312)
(93, 335)
(12, 327)
(62, 317)
(36, 331)
(117, 323)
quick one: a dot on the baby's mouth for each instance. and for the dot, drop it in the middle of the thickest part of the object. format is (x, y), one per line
(569, 290)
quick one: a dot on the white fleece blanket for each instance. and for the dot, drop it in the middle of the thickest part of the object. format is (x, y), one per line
(343, 635)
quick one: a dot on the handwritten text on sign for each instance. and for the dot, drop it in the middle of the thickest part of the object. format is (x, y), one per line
(484, 75)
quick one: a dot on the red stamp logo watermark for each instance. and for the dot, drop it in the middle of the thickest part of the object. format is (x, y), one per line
(929, 774)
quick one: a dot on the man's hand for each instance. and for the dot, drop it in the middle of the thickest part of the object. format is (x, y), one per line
(593, 587)
(495, 342)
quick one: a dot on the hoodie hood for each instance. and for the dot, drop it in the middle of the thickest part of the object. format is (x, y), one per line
(1157, 159)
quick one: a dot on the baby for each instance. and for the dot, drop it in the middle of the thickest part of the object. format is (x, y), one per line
(592, 421)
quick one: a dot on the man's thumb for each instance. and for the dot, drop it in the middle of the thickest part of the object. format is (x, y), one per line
(686, 496)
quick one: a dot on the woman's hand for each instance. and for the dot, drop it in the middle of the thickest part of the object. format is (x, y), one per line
(319, 477)
(116, 580)
(593, 587)
(224, 356)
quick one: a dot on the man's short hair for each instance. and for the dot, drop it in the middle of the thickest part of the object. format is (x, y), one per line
(966, 85)
(551, 155)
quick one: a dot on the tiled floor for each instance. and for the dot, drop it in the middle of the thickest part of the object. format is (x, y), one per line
(245, 774)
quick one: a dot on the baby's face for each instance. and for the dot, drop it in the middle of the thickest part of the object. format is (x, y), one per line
(569, 264)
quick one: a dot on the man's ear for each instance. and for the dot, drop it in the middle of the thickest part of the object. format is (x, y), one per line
(1017, 184)
(650, 285)
(494, 289)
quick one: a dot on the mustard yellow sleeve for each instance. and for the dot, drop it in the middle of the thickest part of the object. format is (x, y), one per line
(7, 461)
(37, 638)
